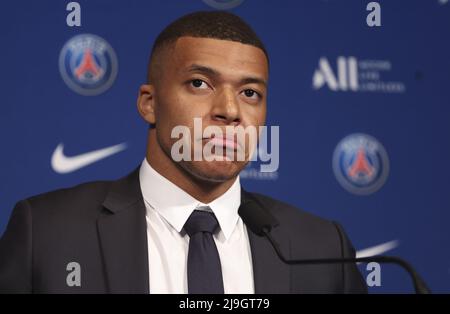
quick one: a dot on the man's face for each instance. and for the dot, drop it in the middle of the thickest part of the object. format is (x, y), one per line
(221, 82)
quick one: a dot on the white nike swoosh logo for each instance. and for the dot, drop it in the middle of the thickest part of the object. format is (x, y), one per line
(378, 249)
(65, 164)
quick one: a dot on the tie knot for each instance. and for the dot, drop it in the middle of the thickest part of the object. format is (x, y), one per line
(201, 221)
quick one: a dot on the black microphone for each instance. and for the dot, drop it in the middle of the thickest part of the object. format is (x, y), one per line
(261, 222)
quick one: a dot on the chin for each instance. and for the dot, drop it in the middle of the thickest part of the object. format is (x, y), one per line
(214, 171)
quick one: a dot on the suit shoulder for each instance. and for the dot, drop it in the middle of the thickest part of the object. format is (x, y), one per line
(84, 195)
(288, 214)
(312, 235)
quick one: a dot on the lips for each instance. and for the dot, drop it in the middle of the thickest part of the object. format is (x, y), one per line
(227, 142)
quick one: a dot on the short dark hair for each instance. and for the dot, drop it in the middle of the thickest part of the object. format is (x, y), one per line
(206, 24)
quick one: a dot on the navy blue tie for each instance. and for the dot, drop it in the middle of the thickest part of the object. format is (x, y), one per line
(204, 272)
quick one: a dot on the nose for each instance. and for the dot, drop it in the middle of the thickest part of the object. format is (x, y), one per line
(226, 108)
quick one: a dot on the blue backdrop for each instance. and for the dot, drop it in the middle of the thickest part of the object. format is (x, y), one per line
(383, 90)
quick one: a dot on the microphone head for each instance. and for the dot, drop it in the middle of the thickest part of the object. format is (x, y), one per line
(256, 217)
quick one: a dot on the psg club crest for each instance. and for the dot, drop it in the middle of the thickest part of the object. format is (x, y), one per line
(360, 164)
(88, 64)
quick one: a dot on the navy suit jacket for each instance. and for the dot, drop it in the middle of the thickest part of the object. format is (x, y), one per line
(102, 227)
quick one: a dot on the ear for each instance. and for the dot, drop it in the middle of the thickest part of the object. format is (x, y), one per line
(146, 103)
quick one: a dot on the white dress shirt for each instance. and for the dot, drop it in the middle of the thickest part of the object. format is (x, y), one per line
(168, 208)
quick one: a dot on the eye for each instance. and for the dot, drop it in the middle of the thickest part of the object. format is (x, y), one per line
(250, 93)
(197, 83)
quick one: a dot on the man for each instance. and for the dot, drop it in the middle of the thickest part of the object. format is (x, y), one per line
(173, 226)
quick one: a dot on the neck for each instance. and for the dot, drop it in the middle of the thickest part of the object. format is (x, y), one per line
(202, 190)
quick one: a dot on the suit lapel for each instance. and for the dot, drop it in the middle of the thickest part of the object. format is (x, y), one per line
(270, 274)
(123, 237)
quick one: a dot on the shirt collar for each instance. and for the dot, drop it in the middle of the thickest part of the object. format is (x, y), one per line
(175, 205)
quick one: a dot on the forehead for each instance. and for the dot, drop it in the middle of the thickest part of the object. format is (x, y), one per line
(227, 57)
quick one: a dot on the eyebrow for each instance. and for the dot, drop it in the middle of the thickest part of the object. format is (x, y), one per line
(212, 72)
